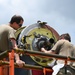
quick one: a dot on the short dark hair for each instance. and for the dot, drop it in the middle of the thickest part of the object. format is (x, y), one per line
(16, 18)
(66, 36)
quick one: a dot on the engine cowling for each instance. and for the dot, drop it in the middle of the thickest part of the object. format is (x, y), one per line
(36, 36)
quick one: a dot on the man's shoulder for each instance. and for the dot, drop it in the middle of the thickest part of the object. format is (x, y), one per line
(61, 41)
(5, 26)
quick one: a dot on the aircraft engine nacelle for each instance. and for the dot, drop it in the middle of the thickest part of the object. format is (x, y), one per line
(36, 36)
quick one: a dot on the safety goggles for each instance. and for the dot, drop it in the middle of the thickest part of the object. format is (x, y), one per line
(20, 25)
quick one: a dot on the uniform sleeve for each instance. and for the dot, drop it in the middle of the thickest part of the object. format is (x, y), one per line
(11, 34)
(56, 48)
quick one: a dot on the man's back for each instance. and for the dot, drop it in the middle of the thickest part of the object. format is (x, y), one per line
(6, 32)
(65, 48)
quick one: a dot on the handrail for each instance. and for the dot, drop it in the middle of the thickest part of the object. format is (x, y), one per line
(29, 52)
(37, 53)
(42, 54)
(25, 66)
(3, 54)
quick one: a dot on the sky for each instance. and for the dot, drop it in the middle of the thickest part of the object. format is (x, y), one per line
(59, 14)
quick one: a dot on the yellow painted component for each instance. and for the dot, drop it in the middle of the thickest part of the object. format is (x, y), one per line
(41, 31)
